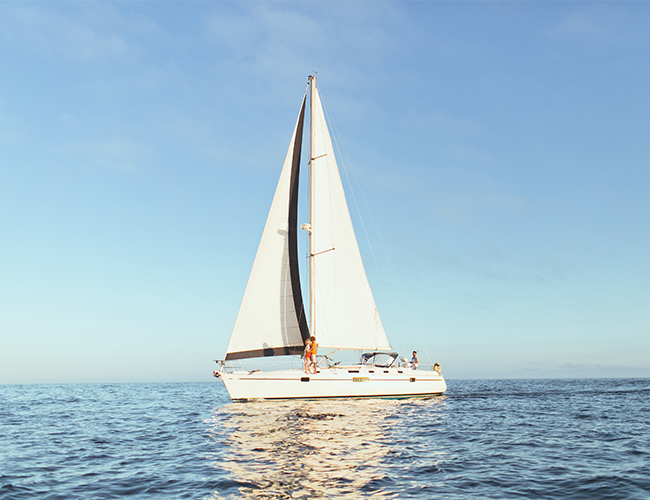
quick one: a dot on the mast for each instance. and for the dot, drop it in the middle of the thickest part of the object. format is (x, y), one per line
(312, 192)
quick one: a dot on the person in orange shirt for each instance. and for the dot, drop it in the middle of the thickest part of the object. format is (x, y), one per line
(307, 354)
(314, 349)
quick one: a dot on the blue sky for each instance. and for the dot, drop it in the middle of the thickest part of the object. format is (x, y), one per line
(502, 148)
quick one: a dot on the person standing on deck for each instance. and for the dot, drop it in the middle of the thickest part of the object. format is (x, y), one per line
(307, 354)
(415, 362)
(314, 349)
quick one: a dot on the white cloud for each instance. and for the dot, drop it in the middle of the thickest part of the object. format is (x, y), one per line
(12, 131)
(580, 24)
(75, 37)
(599, 25)
(465, 207)
(469, 154)
(575, 370)
(490, 263)
(269, 41)
(203, 136)
(439, 122)
(281, 42)
(118, 154)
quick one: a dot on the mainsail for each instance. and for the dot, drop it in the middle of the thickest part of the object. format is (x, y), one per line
(271, 319)
(345, 315)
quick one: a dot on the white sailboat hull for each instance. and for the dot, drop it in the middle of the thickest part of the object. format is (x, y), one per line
(335, 382)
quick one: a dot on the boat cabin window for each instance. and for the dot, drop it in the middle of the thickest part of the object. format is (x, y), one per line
(380, 359)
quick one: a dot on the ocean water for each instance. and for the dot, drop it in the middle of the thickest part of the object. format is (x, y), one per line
(583, 439)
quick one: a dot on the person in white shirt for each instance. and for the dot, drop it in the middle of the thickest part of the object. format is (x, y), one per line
(415, 362)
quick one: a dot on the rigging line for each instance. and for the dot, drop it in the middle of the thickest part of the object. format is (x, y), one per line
(399, 284)
(347, 163)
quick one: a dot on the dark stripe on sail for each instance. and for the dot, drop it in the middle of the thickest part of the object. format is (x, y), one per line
(293, 228)
(262, 353)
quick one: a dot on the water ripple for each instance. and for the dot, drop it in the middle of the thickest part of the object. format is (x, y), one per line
(484, 439)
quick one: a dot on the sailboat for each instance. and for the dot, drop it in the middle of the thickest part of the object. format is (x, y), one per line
(342, 313)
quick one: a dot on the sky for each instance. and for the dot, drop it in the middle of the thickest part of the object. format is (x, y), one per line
(501, 149)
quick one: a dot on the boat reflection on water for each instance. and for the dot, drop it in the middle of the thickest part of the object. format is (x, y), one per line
(317, 448)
